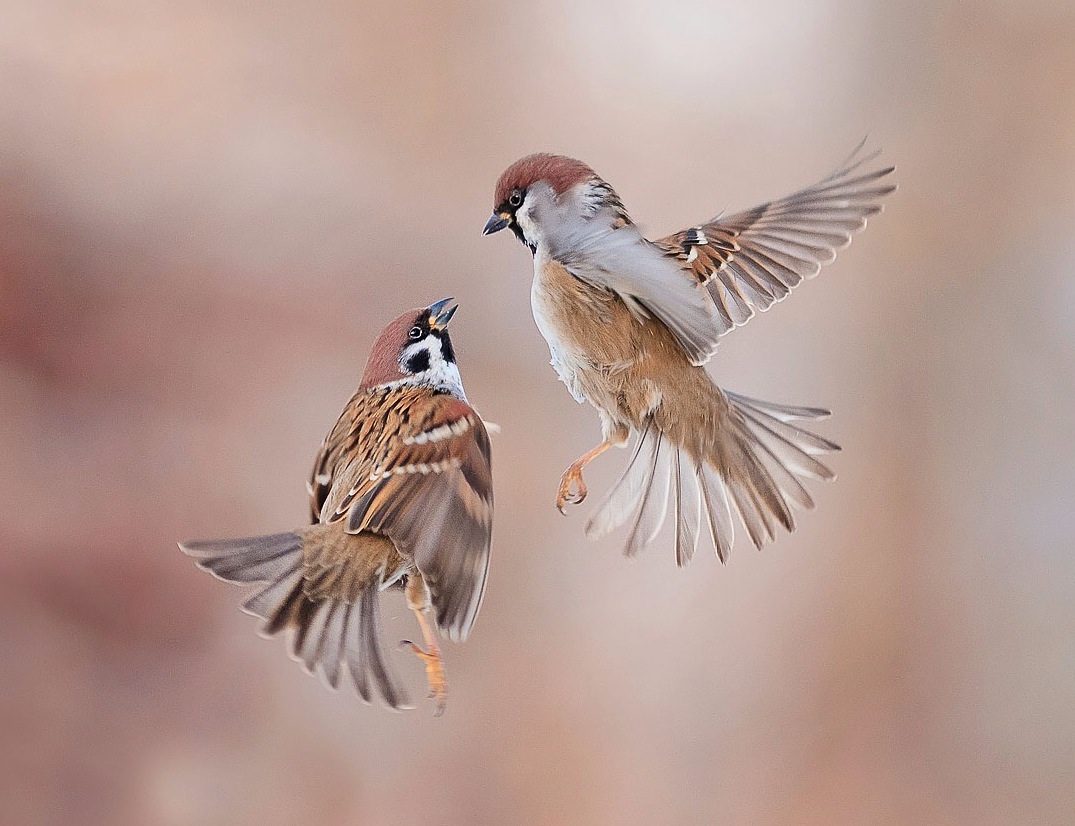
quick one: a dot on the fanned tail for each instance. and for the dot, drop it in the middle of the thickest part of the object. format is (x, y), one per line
(641, 492)
(756, 468)
(327, 631)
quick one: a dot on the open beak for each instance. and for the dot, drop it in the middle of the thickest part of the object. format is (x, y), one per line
(497, 221)
(440, 313)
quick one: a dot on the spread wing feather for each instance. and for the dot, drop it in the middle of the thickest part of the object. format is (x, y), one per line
(752, 259)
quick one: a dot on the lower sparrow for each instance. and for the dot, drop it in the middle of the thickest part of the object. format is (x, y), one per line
(400, 496)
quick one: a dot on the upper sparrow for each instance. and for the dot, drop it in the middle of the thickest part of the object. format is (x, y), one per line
(400, 495)
(630, 322)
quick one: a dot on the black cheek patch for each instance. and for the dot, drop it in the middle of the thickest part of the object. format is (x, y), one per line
(419, 362)
(446, 348)
(515, 228)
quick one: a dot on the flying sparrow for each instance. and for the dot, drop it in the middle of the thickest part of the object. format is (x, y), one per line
(400, 496)
(630, 322)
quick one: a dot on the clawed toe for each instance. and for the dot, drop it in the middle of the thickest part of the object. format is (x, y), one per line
(438, 685)
(572, 490)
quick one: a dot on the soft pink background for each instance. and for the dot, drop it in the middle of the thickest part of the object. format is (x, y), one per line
(207, 211)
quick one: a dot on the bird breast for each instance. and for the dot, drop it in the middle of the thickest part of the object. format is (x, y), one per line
(589, 331)
(624, 367)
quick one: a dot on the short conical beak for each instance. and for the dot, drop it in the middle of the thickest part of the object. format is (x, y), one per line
(440, 313)
(496, 222)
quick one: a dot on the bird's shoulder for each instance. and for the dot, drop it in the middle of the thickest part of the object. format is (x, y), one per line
(384, 428)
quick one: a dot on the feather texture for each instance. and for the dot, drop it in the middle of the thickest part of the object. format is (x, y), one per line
(328, 625)
(618, 258)
(400, 495)
(752, 259)
(629, 322)
(755, 466)
(429, 490)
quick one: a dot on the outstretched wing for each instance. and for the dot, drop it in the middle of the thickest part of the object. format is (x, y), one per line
(749, 260)
(428, 487)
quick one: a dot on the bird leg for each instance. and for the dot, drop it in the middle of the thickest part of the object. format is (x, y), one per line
(572, 478)
(419, 602)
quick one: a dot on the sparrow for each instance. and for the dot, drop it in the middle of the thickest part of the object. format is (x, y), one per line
(631, 322)
(400, 497)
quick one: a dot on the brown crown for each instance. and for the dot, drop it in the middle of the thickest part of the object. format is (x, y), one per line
(383, 363)
(560, 172)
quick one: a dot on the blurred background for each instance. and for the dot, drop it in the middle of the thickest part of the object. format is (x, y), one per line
(207, 212)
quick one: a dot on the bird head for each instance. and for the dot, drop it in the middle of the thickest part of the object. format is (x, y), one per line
(416, 349)
(541, 196)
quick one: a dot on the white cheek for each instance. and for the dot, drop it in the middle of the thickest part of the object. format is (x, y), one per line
(526, 219)
(440, 373)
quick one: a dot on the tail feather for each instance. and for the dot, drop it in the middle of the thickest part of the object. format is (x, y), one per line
(365, 658)
(790, 450)
(783, 412)
(308, 643)
(391, 690)
(776, 456)
(785, 480)
(687, 502)
(754, 515)
(775, 422)
(654, 500)
(625, 496)
(333, 640)
(759, 461)
(326, 631)
(270, 600)
(718, 510)
(247, 559)
(755, 492)
(355, 651)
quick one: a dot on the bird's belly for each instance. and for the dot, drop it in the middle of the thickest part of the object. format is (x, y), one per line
(566, 358)
(575, 320)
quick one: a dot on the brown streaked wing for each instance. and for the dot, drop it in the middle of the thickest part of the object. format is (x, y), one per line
(355, 445)
(338, 443)
(320, 482)
(430, 491)
(752, 259)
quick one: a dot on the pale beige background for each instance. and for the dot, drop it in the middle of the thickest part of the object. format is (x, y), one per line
(208, 210)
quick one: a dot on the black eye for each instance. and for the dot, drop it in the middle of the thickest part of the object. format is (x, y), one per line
(516, 198)
(415, 333)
